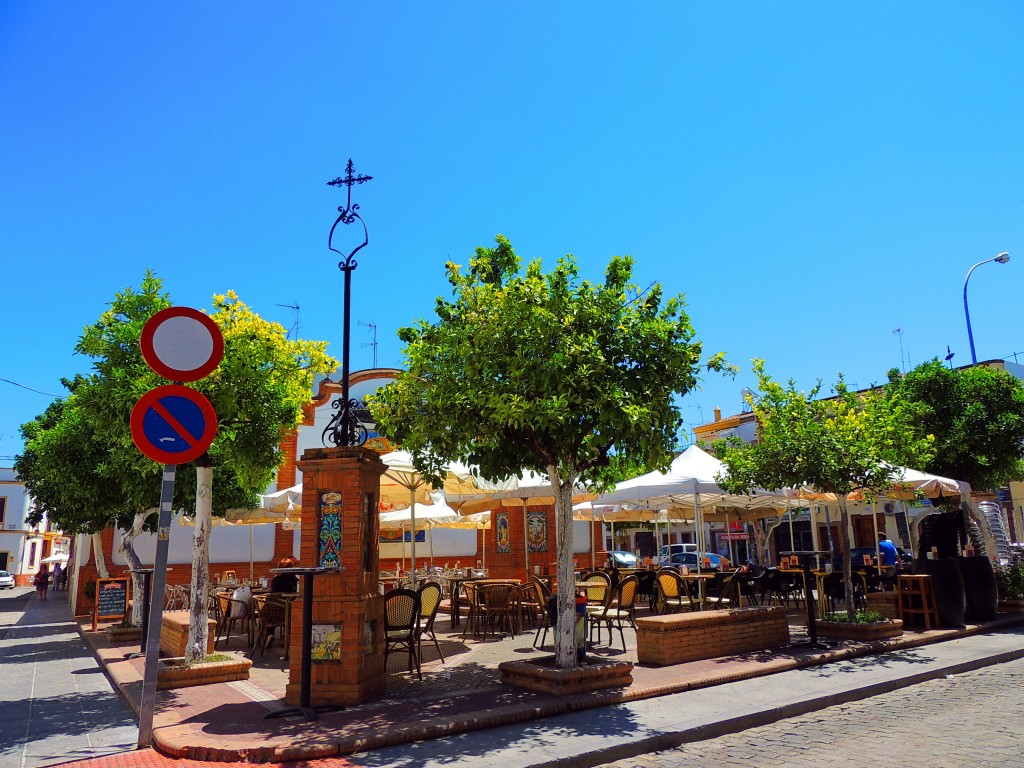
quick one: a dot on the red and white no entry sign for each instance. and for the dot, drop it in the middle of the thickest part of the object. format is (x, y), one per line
(182, 344)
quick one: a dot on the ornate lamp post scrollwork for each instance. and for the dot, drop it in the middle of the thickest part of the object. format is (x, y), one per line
(345, 428)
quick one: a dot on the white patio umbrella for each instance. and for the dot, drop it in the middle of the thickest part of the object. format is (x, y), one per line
(690, 483)
(429, 515)
(402, 475)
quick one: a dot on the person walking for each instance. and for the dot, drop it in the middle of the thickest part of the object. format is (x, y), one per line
(42, 581)
(58, 573)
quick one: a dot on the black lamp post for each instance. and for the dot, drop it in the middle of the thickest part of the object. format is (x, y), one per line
(344, 427)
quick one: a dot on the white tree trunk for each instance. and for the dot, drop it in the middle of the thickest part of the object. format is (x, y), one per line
(762, 536)
(127, 549)
(565, 632)
(197, 630)
(101, 563)
(844, 545)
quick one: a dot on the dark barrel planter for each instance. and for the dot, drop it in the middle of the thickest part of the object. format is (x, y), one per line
(950, 600)
(980, 588)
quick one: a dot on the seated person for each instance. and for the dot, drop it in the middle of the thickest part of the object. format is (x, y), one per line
(888, 551)
(285, 582)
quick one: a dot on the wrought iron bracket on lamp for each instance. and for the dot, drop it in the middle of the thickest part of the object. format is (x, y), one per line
(345, 427)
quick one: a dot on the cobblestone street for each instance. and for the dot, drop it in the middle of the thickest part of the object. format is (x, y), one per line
(974, 719)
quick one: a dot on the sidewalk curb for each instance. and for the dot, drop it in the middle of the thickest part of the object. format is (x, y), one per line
(171, 741)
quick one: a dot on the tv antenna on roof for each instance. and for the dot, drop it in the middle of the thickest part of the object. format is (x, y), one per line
(293, 332)
(373, 329)
(899, 331)
(949, 357)
(745, 393)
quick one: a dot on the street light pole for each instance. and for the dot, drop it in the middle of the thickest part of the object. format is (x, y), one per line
(1002, 258)
(344, 428)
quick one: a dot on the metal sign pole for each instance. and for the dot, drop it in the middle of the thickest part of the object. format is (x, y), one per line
(156, 610)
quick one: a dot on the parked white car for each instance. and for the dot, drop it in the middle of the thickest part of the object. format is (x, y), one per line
(668, 550)
(6, 580)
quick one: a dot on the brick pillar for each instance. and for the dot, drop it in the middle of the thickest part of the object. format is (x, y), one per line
(348, 611)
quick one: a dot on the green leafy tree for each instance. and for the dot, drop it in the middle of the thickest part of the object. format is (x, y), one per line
(546, 372)
(977, 417)
(836, 445)
(258, 392)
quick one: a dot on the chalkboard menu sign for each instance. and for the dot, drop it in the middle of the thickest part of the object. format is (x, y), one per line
(111, 599)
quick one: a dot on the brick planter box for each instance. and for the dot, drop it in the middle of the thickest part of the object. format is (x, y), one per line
(174, 633)
(118, 633)
(174, 674)
(681, 637)
(1010, 606)
(886, 603)
(542, 675)
(881, 630)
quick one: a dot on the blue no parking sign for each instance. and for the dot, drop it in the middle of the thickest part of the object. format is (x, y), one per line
(173, 424)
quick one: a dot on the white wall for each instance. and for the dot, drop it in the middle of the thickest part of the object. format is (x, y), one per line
(228, 544)
(448, 542)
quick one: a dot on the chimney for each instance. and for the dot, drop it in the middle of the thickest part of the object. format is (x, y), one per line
(718, 413)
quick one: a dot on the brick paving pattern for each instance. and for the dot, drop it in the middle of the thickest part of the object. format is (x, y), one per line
(974, 719)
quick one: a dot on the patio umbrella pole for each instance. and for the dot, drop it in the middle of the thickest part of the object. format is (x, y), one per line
(874, 525)
(412, 537)
(526, 541)
(250, 554)
(430, 529)
(593, 547)
(698, 522)
(910, 529)
(732, 543)
(828, 532)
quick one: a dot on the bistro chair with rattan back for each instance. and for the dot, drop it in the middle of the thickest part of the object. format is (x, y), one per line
(780, 588)
(270, 617)
(530, 604)
(835, 591)
(543, 596)
(497, 605)
(597, 595)
(618, 611)
(473, 616)
(233, 612)
(430, 599)
(673, 594)
(401, 624)
(725, 591)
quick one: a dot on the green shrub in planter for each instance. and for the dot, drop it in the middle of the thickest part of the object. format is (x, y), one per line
(861, 617)
(1010, 581)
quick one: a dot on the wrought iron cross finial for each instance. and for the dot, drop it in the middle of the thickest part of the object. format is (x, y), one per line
(347, 181)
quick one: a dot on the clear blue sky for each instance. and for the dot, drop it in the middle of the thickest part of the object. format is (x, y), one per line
(809, 176)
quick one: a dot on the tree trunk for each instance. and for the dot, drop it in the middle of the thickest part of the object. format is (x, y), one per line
(565, 631)
(199, 617)
(844, 544)
(762, 535)
(101, 562)
(127, 548)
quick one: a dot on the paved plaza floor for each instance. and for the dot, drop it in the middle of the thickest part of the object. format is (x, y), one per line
(56, 703)
(459, 714)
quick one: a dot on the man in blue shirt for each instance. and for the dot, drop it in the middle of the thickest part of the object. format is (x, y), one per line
(887, 550)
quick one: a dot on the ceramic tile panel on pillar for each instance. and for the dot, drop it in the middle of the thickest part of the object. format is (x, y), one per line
(340, 521)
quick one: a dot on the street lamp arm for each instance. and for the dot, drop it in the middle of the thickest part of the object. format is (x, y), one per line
(1002, 258)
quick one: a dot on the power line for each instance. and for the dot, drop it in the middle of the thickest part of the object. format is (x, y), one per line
(30, 389)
